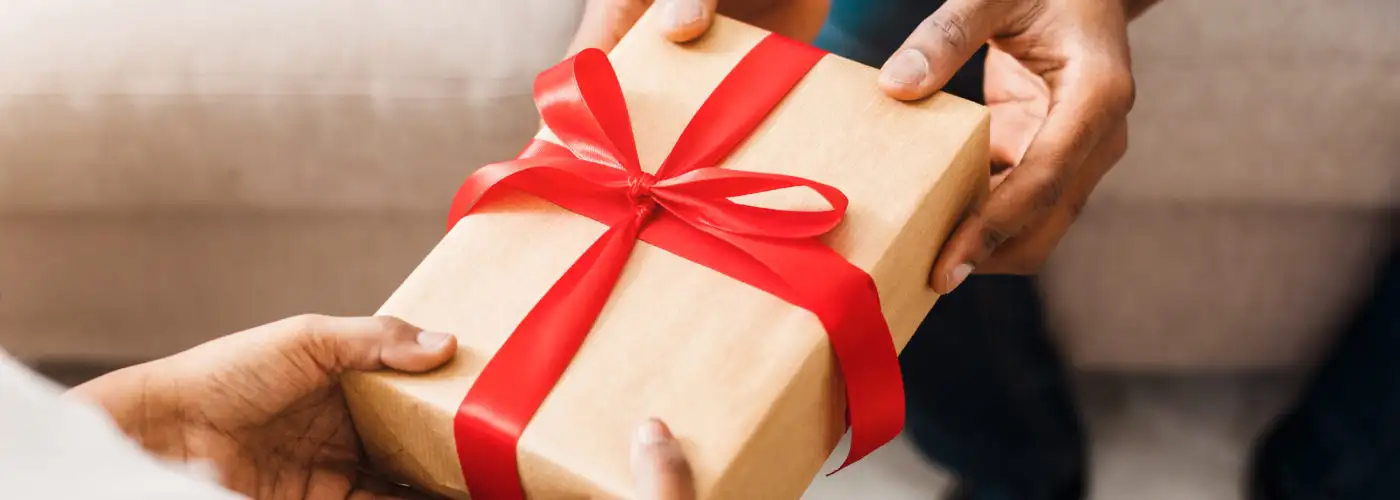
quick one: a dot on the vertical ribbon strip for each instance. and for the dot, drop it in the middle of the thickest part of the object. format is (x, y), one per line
(685, 209)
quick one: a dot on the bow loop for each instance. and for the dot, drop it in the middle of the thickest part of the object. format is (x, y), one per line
(548, 172)
(701, 197)
(581, 101)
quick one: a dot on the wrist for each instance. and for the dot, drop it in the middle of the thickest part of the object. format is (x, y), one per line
(142, 407)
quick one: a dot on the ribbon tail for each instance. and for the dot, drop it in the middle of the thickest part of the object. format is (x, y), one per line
(516, 381)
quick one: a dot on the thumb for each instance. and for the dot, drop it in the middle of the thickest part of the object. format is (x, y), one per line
(606, 21)
(686, 20)
(658, 465)
(370, 343)
(940, 45)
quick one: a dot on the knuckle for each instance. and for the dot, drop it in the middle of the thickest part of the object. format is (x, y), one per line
(1077, 208)
(1049, 193)
(308, 324)
(1109, 84)
(1120, 91)
(1084, 135)
(393, 326)
(1030, 10)
(1019, 15)
(994, 236)
(950, 28)
(388, 323)
(317, 342)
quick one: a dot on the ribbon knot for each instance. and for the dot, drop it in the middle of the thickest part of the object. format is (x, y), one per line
(639, 187)
(686, 208)
(639, 192)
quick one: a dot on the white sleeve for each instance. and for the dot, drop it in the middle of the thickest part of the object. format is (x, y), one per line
(55, 447)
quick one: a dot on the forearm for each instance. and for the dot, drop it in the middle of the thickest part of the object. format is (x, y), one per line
(59, 437)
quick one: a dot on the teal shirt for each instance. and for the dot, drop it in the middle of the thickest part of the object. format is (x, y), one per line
(870, 31)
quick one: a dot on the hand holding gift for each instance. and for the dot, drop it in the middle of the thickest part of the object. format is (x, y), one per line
(264, 410)
(1047, 159)
(718, 234)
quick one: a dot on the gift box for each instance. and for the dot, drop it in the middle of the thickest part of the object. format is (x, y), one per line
(745, 329)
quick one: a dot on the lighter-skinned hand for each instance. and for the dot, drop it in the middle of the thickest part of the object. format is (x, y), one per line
(264, 409)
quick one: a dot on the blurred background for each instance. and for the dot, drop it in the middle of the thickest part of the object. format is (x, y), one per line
(174, 171)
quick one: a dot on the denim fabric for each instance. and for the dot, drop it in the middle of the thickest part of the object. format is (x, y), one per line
(988, 395)
(1342, 441)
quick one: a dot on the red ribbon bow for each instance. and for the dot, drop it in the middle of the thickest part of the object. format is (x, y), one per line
(685, 209)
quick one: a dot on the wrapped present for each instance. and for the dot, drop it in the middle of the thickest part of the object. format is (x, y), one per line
(732, 235)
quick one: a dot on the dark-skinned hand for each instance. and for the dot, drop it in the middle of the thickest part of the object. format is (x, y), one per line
(1059, 86)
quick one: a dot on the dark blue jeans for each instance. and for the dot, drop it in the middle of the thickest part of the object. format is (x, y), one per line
(1342, 441)
(989, 397)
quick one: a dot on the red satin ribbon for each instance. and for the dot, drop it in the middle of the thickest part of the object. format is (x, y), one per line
(685, 209)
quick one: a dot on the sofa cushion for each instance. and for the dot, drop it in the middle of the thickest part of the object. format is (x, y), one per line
(135, 286)
(1193, 287)
(1258, 192)
(325, 104)
(170, 171)
(1293, 103)
(174, 171)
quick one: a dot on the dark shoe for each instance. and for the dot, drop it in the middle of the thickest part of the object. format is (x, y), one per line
(1265, 467)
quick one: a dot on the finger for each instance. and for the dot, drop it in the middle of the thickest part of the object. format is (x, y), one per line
(1018, 101)
(1028, 251)
(940, 45)
(370, 343)
(605, 21)
(1092, 99)
(685, 20)
(659, 466)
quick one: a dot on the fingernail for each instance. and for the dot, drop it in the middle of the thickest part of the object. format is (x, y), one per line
(433, 340)
(959, 274)
(653, 433)
(682, 13)
(907, 67)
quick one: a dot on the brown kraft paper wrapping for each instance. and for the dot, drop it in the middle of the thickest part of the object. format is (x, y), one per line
(751, 392)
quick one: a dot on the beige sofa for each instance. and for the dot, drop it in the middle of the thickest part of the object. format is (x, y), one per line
(172, 171)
